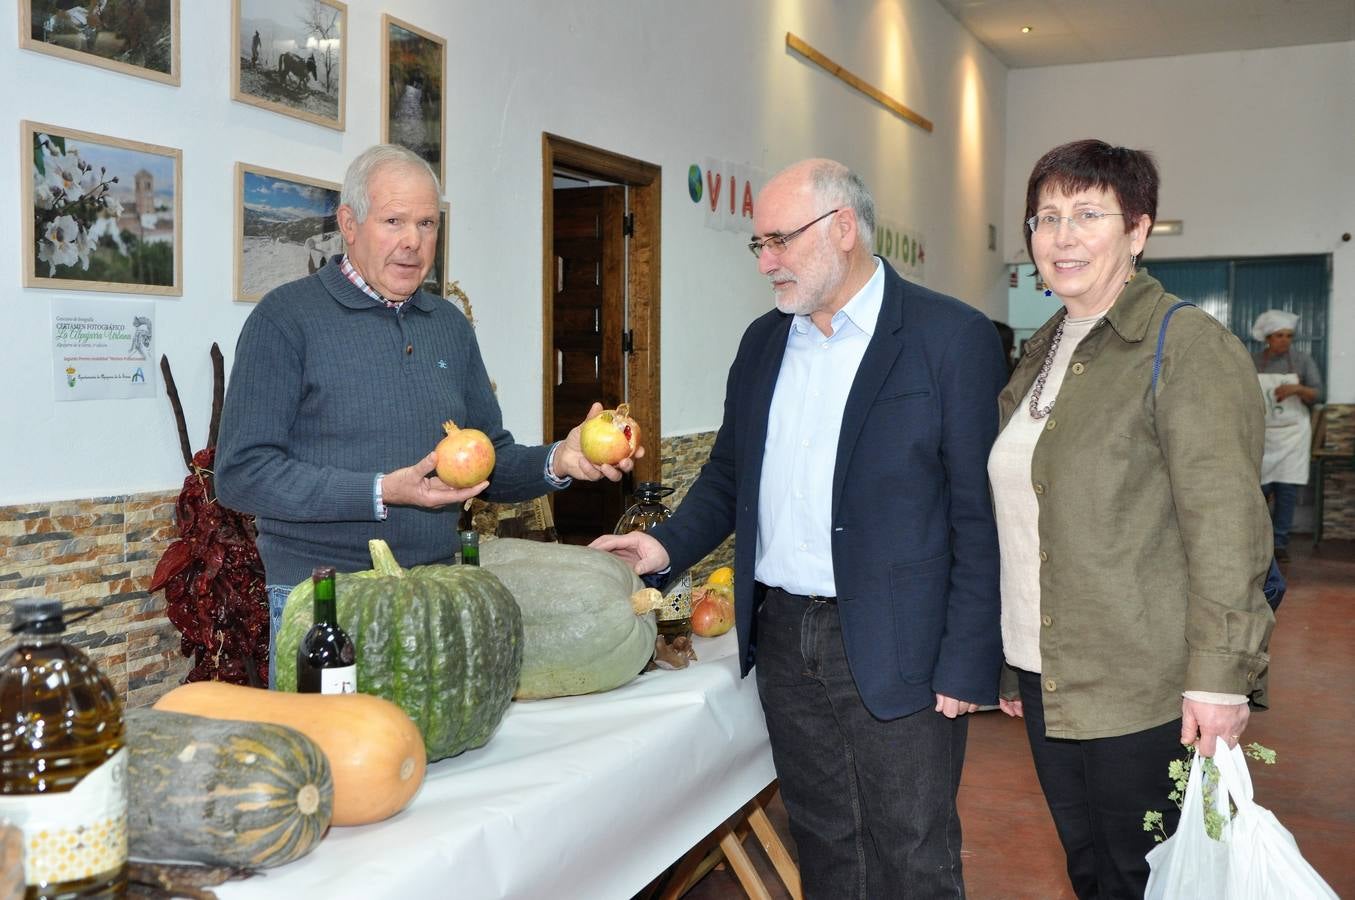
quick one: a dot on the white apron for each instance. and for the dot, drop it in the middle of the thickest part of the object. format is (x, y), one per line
(1289, 433)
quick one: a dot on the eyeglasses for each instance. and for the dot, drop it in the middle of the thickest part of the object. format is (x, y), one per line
(1082, 220)
(777, 242)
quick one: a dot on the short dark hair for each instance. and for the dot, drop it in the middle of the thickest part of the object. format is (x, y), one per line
(1131, 175)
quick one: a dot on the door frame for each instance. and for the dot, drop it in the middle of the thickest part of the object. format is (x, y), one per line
(642, 283)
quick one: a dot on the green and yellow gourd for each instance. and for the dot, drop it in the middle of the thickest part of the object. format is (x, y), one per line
(444, 643)
(223, 793)
(581, 633)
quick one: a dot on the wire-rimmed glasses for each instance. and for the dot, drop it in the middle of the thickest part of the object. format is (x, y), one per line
(777, 242)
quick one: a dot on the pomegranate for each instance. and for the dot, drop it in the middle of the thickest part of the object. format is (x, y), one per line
(610, 436)
(465, 456)
(712, 610)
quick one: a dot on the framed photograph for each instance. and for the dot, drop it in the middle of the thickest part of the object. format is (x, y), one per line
(286, 227)
(436, 282)
(100, 213)
(414, 63)
(135, 37)
(291, 57)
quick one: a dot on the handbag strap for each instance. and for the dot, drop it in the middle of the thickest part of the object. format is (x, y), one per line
(1162, 339)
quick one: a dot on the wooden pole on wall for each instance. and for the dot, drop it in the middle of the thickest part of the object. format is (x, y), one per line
(865, 87)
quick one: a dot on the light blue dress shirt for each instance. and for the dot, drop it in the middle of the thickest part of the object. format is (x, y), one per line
(794, 546)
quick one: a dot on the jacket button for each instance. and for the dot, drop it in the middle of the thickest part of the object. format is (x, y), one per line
(1048, 621)
(1078, 368)
(409, 349)
(1050, 686)
(1251, 676)
(1044, 557)
(1039, 487)
(1050, 425)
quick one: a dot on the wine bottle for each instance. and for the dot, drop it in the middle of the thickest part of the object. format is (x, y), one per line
(325, 658)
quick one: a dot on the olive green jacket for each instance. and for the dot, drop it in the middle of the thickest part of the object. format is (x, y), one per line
(1154, 537)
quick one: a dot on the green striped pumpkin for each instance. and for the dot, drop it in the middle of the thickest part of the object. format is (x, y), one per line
(444, 643)
(223, 793)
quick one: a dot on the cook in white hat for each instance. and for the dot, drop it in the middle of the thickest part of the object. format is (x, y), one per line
(1271, 321)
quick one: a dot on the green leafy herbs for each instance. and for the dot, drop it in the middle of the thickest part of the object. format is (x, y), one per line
(1179, 772)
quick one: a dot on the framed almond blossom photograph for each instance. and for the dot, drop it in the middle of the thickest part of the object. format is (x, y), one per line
(100, 213)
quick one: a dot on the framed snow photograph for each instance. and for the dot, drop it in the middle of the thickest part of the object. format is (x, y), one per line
(291, 57)
(414, 65)
(135, 37)
(286, 227)
(100, 213)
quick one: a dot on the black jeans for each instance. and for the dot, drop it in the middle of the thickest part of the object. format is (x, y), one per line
(871, 802)
(1098, 791)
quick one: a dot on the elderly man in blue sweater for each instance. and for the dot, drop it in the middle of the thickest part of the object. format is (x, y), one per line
(339, 389)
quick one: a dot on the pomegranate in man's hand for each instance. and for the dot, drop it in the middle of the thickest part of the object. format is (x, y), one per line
(712, 610)
(610, 436)
(465, 456)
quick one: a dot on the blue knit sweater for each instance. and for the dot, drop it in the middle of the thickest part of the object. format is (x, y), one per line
(328, 389)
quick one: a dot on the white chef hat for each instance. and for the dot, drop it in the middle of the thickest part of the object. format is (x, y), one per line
(1271, 321)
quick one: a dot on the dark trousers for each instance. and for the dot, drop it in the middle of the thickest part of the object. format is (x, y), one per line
(1098, 791)
(871, 802)
(1282, 515)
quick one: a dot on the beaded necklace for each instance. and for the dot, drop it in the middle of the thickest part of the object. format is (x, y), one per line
(1035, 411)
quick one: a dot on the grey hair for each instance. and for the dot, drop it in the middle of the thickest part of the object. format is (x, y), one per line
(358, 178)
(837, 185)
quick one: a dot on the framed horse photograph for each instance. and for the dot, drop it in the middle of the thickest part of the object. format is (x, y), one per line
(291, 57)
(414, 63)
(100, 213)
(286, 227)
(134, 37)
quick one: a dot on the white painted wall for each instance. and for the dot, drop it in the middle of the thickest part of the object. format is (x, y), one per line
(668, 83)
(1256, 151)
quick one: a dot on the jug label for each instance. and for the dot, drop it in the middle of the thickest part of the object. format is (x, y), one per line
(677, 602)
(77, 834)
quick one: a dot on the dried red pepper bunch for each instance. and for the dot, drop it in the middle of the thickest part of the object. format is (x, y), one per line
(212, 576)
(214, 585)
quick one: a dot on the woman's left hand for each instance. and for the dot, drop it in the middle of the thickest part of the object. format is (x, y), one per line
(1203, 723)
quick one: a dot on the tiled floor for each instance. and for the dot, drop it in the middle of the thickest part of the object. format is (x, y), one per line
(1011, 851)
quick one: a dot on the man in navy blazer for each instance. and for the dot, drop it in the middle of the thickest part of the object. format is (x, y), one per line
(851, 465)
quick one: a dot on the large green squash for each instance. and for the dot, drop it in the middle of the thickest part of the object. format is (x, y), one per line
(221, 792)
(444, 643)
(580, 633)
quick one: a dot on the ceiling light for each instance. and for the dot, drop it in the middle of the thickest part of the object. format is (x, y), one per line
(1026, 29)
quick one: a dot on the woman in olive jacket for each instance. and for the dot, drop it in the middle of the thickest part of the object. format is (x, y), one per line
(1134, 537)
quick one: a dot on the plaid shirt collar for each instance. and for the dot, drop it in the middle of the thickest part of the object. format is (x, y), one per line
(346, 266)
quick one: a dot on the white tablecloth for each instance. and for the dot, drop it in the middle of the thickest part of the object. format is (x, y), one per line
(577, 797)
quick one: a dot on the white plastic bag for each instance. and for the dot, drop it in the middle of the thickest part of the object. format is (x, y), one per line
(1257, 858)
(1189, 863)
(1263, 859)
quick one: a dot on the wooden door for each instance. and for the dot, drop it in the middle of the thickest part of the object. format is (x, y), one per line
(589, 314)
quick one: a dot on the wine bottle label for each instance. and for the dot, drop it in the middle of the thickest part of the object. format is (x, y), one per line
(77, 834)
(339, 681)
(677, 602)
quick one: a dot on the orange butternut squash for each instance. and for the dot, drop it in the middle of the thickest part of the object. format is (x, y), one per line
(375, 751)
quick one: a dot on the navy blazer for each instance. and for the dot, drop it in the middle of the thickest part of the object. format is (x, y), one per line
(914, 544)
